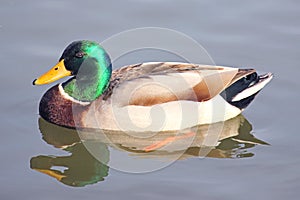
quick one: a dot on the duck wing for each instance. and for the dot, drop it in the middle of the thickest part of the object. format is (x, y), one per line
(154, 83)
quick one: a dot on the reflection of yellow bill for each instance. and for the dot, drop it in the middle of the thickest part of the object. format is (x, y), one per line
(57, 72)
(51, 173)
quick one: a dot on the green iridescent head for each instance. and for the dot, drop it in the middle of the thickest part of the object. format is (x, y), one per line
(90, 65)
(84, 52)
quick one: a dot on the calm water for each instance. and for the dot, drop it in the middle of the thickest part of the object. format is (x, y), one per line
(264, 35)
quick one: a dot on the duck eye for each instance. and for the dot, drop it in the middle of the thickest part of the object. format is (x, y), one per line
(79, 54)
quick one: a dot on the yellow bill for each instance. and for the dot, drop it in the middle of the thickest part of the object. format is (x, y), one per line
(57, 72)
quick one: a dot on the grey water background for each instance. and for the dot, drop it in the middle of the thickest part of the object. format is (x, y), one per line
(260, 34)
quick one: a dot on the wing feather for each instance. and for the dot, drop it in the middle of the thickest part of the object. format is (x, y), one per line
(154, 83)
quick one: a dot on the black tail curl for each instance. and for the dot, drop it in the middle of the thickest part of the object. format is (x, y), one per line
(229, 93)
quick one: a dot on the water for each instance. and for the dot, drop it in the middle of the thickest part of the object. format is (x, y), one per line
(263, 35)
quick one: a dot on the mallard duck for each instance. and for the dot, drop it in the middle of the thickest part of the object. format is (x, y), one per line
(153, 96)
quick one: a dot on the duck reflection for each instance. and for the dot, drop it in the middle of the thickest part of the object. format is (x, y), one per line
(229, 139)
(80, 168)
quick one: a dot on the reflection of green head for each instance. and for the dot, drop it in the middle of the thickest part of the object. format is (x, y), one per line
(81, 167)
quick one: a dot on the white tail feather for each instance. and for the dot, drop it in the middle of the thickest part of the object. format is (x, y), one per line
(253, 89)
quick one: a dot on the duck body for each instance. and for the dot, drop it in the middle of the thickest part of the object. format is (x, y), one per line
(154, 96)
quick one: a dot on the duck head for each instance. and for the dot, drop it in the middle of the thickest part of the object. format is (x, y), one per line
(90, 66)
